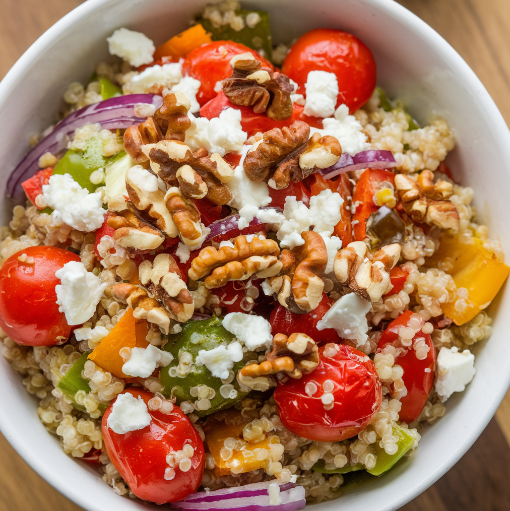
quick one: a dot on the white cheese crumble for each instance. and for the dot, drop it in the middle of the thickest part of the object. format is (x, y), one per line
(348, 317)
(166, 75)
(73, 204)
(253, 331)
(266, 287)
(220, 360)
(78, 293)
(189, 86)
(221, 135)
(274, 494)
(144, 361)
(321, 94)
(128, 414)
(134, 47)
(183, 253)
(95, 334)
(323, 213)
(346, 129)
(333, 245)
(455, 369)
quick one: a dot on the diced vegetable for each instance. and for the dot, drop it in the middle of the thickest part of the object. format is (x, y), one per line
(108, 89)
(115, 174)
(319, 467)
(73, 381)
(196, 336)
(407, 438)
(33, 186)
(384, 102)
(384, 226)
(241, 460)
(181, 44)
(473, 267)
(398, 277)
(129, 332)
(257, 37)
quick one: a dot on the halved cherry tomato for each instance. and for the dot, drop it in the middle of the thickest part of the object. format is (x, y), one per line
(104, 230)
(92, 457)
(398, 277)
(210, 64)
(29, 313)
(285, 322)
(297, 190)
(418, 374)
(341, 185)
(368, 185)
(210, 212)
(140, 455)
(336, 52)
(252, 122)
(232, 298)
(233, 159)
(33, 186)
(356, 393)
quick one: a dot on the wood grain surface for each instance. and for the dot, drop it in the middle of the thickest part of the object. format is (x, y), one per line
(480, 31)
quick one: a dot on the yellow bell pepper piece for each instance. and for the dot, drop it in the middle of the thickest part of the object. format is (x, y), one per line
(474, 268)
(129, 332)
(181, 44)
(252, 456)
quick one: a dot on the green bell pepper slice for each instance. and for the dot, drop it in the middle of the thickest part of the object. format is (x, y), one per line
(108, 89)
(319, 467)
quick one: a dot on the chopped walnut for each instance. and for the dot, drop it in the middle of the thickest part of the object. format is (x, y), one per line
(163, 281)
(195, 173)
(263, 89)
(169, 122)
(367, 276)
(211, 258)
(131, 232)
(426, 201)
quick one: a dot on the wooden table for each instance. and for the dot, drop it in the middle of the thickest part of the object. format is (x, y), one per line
(480, 31)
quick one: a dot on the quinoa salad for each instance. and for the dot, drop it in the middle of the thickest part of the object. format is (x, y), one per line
(238, 274)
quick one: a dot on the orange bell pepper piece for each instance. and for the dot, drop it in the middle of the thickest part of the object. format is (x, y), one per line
(129, 332)
(181, 44)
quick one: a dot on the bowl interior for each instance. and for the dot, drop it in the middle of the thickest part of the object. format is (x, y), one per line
(414, 63)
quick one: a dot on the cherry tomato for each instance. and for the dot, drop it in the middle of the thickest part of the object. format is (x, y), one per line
(297, 190)
(92, 457)
(398, 277)
(368, 185)
(29, 312)
(341, 185)
(418, 374)
(33, 186)
(285, 322)
(140, 456)
(210, 64)
(210, 212)
(356, 392)
(336, 52)
(104, 230)
(233, 298)
(252, 122)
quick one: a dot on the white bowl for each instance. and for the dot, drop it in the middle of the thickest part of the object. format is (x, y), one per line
(415, 63)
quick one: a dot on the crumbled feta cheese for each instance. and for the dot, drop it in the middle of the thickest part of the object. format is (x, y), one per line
(221, 135)
(253, 331)
(323, 213)
(73, 204)
(91, 334)
(144, 361)
(455, 369)
(134, 47)
(346, 129)
(251, 237)
(266, 287)
(128, 414)
(297, 99)
(166, 75)
(348, 317)
(333, 245)
(143, 179)
(252, 19)
(274, 494)
(183, 253)
(78, 293)
(189, 86)
(221, 359)
(321, 94)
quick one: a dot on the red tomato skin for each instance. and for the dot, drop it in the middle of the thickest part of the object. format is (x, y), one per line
(210, 63)
(398, 277)
(33, 186)
(418, 374)
(250, 121)
(210, 212)
(285, 322)
(364, 193)
(29, 313)
(297, 190)
(357, 396)
(336, 52)
(140, 456)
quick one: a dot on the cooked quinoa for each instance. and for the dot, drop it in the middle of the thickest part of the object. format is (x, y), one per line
(430, 296)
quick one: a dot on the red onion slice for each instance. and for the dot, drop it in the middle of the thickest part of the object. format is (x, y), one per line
(114, 113)
(371, 159)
